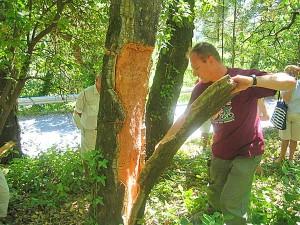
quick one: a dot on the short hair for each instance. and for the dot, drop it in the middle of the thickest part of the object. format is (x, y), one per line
(206, 49)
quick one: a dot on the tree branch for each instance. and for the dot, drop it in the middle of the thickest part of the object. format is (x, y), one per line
(293, 19)
(49, 28)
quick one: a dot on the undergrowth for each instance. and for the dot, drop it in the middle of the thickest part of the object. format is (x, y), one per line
(52, 189)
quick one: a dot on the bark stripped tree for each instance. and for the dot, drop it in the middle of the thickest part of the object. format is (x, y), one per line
(120, 120)
(129, 43)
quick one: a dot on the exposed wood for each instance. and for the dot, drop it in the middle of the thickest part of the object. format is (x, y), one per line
(129, 44)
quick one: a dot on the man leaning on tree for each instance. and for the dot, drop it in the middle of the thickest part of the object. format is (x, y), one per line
(238, 142)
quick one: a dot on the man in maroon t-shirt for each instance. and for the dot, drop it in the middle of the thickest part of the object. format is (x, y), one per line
(238, 140)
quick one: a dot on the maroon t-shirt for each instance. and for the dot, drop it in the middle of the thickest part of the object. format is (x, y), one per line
(237, 130)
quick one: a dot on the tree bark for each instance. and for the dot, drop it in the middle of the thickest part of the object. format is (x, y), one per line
(168, 78)
(167, 82)
(234, 34)
(129, 44)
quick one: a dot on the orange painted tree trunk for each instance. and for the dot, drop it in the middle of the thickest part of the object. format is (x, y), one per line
(129, 45)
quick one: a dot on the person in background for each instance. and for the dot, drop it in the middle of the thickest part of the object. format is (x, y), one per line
(4, 190)
(263, 116)
(85, 115)
(291, 135)
(4, 195)
(238, 140)
(262, 110)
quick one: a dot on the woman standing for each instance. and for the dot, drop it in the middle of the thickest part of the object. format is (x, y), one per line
(291, 135)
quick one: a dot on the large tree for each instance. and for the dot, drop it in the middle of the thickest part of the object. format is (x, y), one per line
(129, 45)
(25, 25)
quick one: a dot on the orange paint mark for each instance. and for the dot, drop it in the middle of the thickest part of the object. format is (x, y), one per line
(132, 76)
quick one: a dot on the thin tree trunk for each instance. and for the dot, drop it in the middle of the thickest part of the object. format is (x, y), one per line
(167, 82)
(168, 79)
(129, 44)
(255, 61)
(223, 23)
(233, 34)
(11, 132)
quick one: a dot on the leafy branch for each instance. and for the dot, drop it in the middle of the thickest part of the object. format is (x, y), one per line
(49, 28)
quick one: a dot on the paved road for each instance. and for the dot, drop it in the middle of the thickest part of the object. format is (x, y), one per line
(40, 133)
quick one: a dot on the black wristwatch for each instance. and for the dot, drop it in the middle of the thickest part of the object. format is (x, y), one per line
(254, 79)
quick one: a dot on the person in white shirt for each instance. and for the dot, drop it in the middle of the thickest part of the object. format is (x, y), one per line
(291, 135)
(85, 114)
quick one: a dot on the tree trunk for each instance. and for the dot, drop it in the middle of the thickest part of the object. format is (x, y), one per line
(255, 60)
(168, 78)
(234, 33)
(223, 29)
(129, 44)
(11, 132)
(167, 82)
(12, 79)
(203, 108)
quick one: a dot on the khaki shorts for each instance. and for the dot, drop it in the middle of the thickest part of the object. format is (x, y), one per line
(292, 131)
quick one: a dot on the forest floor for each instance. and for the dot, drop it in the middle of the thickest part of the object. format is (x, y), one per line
(51, 189)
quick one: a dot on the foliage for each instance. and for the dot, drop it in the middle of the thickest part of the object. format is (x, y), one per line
(45, 109)
(53, 184)
(266, 32)
(71, 56)
(181, 192)
(67, 56)
(276, 194)
(180, 12)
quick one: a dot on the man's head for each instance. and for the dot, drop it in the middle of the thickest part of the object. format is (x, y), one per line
(98, 82)
(206, 62)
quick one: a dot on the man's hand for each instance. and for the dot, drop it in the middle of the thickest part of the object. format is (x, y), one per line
(242, 83)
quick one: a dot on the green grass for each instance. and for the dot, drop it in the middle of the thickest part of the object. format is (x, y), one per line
(182, 190)
(45, 109)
